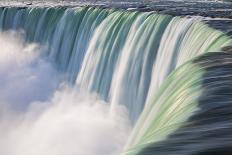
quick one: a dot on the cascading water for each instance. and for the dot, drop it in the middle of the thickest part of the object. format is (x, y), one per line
(195, 118)
(125, 58)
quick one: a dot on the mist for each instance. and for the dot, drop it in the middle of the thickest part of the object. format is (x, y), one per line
(41, 115)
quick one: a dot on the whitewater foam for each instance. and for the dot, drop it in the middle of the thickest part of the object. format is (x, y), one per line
(51, 117)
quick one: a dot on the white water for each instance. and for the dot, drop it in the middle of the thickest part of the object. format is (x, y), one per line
(55, 119)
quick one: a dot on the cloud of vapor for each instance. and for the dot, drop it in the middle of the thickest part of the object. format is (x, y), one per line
(40, 115)
(24, 76)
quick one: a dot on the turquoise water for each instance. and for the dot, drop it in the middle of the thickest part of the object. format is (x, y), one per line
(128, 58)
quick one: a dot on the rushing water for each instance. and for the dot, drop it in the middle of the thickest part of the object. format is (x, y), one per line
(126, 60)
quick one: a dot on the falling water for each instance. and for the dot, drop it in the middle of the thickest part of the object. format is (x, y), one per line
(128, 62)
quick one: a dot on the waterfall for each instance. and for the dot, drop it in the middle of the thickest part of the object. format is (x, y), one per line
(197, 106)
(128, 58)
(123, 56)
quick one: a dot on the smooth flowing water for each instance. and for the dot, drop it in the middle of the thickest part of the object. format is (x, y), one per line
(79, 80)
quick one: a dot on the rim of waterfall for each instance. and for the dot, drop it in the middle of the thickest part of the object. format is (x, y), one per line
(216, 13)
(206, 8)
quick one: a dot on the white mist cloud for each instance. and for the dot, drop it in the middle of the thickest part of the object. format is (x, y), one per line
(24, 76)
(49, 120)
